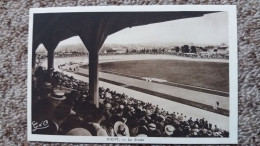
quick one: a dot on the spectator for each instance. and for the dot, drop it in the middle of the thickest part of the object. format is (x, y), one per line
(94, 127)
(133, 128)
(52, 125)
(121, 129)
(79, 132)
(152, 131)
(169, 129)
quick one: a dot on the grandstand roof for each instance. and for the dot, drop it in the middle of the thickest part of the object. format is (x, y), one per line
(94, 27)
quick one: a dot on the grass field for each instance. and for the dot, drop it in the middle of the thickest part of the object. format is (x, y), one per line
(210, 75)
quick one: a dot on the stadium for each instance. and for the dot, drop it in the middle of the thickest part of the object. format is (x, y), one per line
(138, 91)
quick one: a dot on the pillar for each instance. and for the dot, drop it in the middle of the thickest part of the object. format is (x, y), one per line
(50, 58)
(93, 77)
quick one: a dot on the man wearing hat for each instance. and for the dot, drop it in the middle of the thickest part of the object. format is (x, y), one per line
(121, 129)
(56, 97)
(48, 75)
(60, 114)
(43, 109)
(169, 129)
(152, 131)
(107, 108)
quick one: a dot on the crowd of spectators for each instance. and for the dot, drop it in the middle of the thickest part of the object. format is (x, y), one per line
(62, 105)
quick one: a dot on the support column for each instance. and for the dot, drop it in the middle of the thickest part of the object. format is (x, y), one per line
(93, 77)
(50, 58)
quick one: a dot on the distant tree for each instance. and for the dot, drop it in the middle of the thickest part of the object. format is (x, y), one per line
(177, 49)
(163, 50)
(185, 49)
(193, 49)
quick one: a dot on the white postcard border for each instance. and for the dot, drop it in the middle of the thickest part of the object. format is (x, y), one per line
(233, 76)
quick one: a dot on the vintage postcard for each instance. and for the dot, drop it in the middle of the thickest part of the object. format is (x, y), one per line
(133, 74)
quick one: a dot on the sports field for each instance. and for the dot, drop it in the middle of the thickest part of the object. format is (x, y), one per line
(212, 75)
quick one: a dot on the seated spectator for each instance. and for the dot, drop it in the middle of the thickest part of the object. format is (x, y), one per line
(45, 89)
(133, 128)
(121, 129)
(216, 129)
(178, 132)
(44, 108)
(152, 131)
(94, 127)
(48, 75)
(169, 129)
(60, 114)
(79, 132)
(73, 121)
(160, 123)
(107, 109)
(117, 116)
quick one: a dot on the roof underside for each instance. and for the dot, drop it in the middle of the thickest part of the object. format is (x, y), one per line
(94, 27)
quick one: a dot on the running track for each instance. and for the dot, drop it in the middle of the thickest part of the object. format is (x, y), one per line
(192, 97)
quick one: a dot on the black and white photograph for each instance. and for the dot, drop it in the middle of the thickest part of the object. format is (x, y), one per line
(141, 74)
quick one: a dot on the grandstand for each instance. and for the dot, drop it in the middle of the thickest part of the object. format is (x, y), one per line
(121, 104)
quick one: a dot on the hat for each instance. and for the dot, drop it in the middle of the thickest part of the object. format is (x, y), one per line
(162, 117)
(108, 105)
(204, 131)
(169, 129)
(72, 112)
(47, 84)
(141, 135)
(180, 118)
(209, 133)
(79, 132)
(176, 122)
(195, 133)
(185, 123)
(132, 109)
(121, 106)
(57, 94)
(152, 126)
(121, 129)
(214, 134)
(148, 112)
(195, 130)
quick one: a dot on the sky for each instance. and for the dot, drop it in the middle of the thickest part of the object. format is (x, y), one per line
(210, 29)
